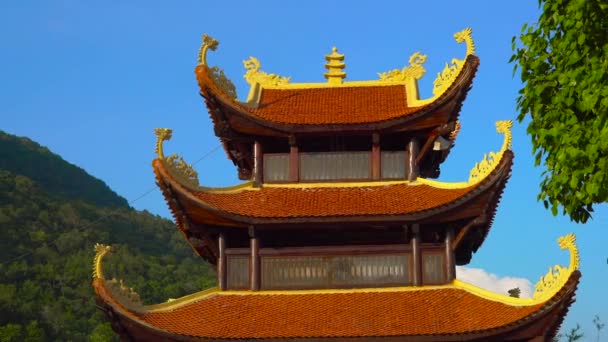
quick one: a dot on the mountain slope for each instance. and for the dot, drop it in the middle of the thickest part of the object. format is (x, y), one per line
(25, 157)
(46, 253)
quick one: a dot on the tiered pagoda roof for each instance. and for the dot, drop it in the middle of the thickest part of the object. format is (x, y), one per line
(354, 211)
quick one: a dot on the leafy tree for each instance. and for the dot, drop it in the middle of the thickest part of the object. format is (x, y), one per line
(515, 292)
(563, 60)
(10, 332)
(103, 333)
(46, 249)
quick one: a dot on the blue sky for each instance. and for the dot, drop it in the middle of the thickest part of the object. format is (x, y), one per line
(91, 80)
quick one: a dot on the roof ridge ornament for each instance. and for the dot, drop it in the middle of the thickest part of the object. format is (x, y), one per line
(208, 43)
(127, 295)
(100, 251)
(255, 75)
(175, 164)
(446, 77)
(490, 161)
(216, 74)
(414, 70)
(558, 275)
(335, 66)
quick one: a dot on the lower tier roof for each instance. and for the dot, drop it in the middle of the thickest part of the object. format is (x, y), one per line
(457, 311)
(441, 313)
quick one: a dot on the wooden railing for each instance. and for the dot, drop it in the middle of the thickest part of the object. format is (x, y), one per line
(298, 272)
(329, 166)
(323, 267)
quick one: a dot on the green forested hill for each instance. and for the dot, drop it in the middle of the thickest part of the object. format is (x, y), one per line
(47, 234)
(59, 178)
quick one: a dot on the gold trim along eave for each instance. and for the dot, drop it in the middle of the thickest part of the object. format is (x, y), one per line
(546, 288)
(483, 168)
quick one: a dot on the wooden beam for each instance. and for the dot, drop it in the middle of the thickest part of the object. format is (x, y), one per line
(425, 148)
(441, 130)
(294, 160)
(416, 256)
(376, 156)
(449, 255)
(254, 260)
(221, 262)
(461, 234)
(412, 149)
(258, 164)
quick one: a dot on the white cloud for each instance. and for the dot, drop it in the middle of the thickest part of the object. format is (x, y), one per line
(492, 282)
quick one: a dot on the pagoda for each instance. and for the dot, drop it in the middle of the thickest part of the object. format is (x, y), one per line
(339, 231)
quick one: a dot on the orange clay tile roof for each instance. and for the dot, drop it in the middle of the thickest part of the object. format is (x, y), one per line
(339, 105)
(326, 201)
(327, 105)
(423, 312)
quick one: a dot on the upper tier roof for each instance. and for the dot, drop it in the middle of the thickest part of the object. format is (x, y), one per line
(457, 311)
(277, 107)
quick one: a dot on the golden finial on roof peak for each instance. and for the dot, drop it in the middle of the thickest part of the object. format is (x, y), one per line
(335, 65)
(334, 56)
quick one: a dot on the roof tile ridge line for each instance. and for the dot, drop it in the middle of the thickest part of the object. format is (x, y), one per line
(354, 184)
(175, 303)
(547, 288)
(334, 291)
(346, 84)
(493, 296)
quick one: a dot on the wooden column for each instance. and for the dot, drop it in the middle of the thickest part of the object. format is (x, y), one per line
(258, 164)
(254, 260)
(416, 256)
(375, 156)
(294, 160)
(412, 165)
(449, 255)
(221, 262)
